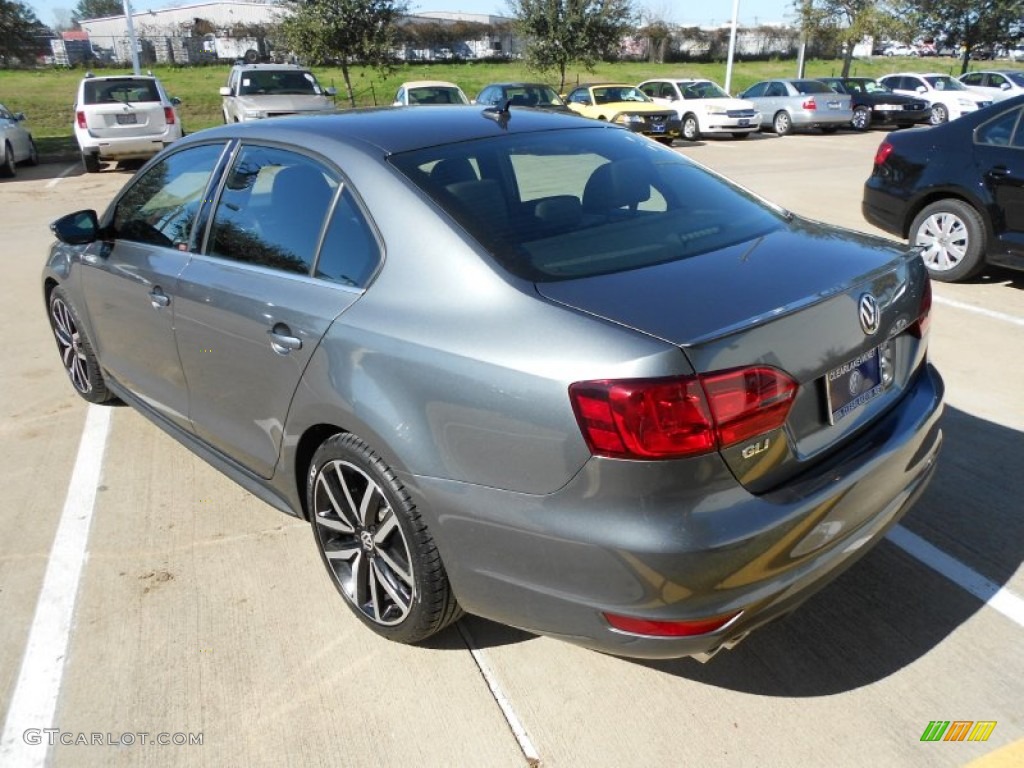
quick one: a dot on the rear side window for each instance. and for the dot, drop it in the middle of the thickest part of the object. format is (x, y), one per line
(1002, 131)
(350, 253)
(122, 90)
(558, 205)
(272, 209)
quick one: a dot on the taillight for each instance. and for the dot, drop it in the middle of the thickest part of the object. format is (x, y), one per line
(883, 152)
(169, 115)
(924, 319)
(810, 104)
(681, 416)
(80, 116)
(668, 628)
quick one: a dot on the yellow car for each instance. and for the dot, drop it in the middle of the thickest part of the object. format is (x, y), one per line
(625, 105)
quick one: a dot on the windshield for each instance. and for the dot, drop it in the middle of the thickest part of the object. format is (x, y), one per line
(558, 205)
(701, 90)
(279, 82)
(945, 83)
(606, 94)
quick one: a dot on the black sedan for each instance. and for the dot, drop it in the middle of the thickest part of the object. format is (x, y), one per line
(877, 104)
(955, 190)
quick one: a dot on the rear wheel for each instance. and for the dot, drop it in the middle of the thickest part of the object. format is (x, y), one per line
(91, 162)
(8, 167)
(861, 118)
(951, 236)
(375, 545)
(691, 128)
(781, 124)
(75, 350)
(939, 114)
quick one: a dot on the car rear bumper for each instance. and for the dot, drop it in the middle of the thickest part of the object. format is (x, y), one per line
(883, 209)
(127, 148)
(657, 541)
(821, 118)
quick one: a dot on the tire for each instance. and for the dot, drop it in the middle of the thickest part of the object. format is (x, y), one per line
(8, 168)
(75, 349)
(374, 544)
(861, 118)
(33, 153)
(951, 236)
(91, 162)
(782, 125)
(691, 128)
(940, 114)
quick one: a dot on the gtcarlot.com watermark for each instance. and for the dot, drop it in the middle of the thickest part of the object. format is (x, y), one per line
(54, 736)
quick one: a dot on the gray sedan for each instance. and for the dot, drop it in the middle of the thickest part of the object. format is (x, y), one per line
(513, 363)
(788, 105)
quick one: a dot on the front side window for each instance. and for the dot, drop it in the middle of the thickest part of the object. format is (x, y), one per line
(272, 209)
(160, 206)
(557, 205)
(754, 91)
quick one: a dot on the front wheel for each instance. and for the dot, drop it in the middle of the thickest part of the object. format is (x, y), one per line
(76, 351)
(782, 124)
(691, 128)
(951, 236)
(375, 545)
(8, 168)
(939, 114)
(861, 118)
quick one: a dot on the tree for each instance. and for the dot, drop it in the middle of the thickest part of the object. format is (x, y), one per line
(970, 24)
(847, 22)
(18, 30)
(344, 31)
(96, 9)
(559, 32)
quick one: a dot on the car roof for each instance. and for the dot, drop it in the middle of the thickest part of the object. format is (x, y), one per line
(602, 85)
(428, 84)
(391, 130)
(515, 84)
(271, 67)
(123, 76)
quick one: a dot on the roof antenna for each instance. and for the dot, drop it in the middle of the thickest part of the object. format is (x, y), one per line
(499, 114)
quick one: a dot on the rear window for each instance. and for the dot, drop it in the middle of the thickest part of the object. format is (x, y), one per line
(568, 204)
(122, 90)
(811, 86)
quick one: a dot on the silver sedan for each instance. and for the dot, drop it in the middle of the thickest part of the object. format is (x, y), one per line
(518, 364)
(788, 105)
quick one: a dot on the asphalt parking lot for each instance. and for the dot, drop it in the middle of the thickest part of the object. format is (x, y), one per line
(202, 618)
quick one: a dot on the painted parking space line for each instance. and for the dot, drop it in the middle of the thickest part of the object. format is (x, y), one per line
(63, 175)
(998, 598)
(991, 313)
(34, 701)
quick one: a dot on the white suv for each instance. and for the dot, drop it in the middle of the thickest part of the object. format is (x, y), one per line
(704, 107)
(256, 91)
(123, 117)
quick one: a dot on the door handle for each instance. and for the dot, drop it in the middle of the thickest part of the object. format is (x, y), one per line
(999, 172)
(282, 341)
(158, 298)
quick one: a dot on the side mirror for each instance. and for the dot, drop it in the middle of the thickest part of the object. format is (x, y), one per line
(1003, 87)
(330, 90)
(225, 90)
(78, 228)
(921, 89)
(19, 116)
(175, 101)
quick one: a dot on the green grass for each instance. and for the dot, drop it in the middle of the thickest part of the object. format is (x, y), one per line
(46, 96)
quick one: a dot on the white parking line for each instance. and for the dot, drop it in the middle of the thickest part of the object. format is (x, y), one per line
(35, 695)
(998, 598)
(518, 731)
(64, 174)
(980, 310)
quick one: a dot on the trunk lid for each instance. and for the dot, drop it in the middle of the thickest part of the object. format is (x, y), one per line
(790, 300)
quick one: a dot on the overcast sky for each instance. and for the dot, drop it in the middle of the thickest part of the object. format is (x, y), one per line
(695, 12)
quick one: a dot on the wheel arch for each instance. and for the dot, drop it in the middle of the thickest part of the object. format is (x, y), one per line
(934, 196)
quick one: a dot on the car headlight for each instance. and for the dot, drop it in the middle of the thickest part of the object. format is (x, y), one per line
(629, 119)
(254, 114)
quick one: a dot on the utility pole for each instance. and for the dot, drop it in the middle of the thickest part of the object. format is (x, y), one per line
(131, 37)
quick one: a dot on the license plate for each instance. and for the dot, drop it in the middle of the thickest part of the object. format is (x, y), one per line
(658, 128)
(857, 382)
(128, 119)
(743, 123)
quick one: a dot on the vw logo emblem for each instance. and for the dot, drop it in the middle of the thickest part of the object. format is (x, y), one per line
(867, 310)
(855, 381)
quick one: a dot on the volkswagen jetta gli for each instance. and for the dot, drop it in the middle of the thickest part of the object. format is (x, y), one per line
(530, 367)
